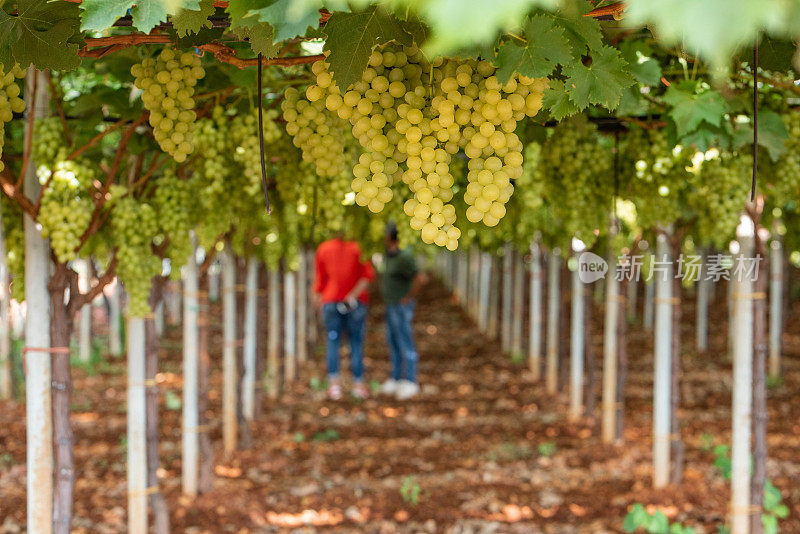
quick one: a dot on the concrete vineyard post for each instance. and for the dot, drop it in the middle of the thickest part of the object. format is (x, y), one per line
(302, 309)
(701, 318)
(229, 346)
(742, 382)
(85, 325)
(610, 353)
(485, 285)
(553, 304)
(662, 361)
(274, 332)
(576, 338)
(6, 371)
(137, 436)
(38, 401)
(775, 306)
(535, 316)
(249, 343)
(289, 326)
(517, 304)
(189, 441)
(505, 324)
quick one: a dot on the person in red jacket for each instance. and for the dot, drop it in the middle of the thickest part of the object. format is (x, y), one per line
(341, 280)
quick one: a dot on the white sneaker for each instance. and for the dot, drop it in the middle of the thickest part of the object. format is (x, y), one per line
(406, 389)
(389, 387)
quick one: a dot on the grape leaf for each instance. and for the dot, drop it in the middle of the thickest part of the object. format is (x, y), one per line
(602, 82)
(261, 39)
(147, 14)
(546, 47)
(287, 22)
(557, 101)
(772, 134)
(582, 32)
(351, 37)
(689, 108)
(241, 13)
(98, 15)
(457, 24)
(644, 68)
(45, 34)
(187, 21)
(705, 136)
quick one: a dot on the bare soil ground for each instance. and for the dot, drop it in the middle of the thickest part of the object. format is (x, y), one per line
(487, 449)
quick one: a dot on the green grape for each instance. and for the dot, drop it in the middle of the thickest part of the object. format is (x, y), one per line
(67, 207)
(10, 101)
(167, 83)
(135, 224)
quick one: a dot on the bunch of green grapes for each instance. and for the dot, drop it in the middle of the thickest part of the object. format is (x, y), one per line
(488, 113)
(174, 202)
(50, 146)
(411, 116)
(215, 181)
(787, 171)
(135, 225)
(576, 173)
(167, 83)
(67, 207)
(723, 187)
(14, 235)
(247, 152)
(658, 176)
(319, 134)
(10, 102)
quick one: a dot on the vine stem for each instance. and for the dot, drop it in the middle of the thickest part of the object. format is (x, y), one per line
(101, 46)
(93, 141)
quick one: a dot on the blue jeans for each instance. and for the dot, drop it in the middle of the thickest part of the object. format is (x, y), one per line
(400, 338)
(336, 324)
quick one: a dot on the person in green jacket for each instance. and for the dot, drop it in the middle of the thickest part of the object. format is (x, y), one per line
(400, 284)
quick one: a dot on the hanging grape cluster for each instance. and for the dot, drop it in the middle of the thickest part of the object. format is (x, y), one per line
(320, 135)
(10, 102)
(175, 204)
(786, 182)
(723, 186)
(167, 83)
(50, 145)
(134, 225)
(576, 170)
(67, 207)
(411, 116)
(657, 172)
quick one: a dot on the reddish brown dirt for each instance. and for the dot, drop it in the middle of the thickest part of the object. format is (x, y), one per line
(473, 443)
